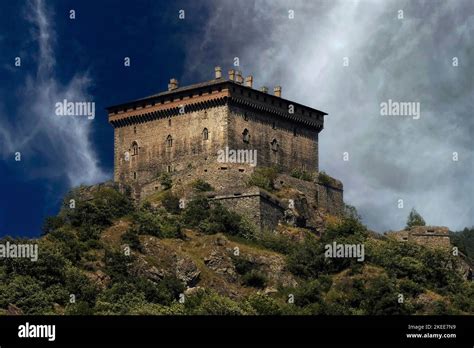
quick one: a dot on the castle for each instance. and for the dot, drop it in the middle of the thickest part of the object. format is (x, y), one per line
(185, 131)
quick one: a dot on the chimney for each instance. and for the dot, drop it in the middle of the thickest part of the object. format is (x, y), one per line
(173, 84)
(249, 81)
(264, 89)
(232, 74)
(218, 72)
(239, 79)
(277, 91)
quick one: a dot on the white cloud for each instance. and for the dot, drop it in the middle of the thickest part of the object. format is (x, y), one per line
(62, 143)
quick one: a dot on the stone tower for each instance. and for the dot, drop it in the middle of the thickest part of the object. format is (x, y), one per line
(184, 130)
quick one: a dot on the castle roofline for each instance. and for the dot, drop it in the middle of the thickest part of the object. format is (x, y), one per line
(202, 86)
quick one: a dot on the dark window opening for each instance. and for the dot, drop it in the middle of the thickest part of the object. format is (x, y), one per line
(246, 136)
(134, 148)
(274, 145)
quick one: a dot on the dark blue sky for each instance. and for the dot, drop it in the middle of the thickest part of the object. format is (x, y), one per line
(405, 58)
(95, 43)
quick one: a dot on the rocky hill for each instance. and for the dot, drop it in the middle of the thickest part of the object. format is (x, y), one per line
(103, 255)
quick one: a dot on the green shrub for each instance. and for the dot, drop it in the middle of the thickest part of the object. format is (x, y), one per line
(147, 222)
(213, 218)
(106, 205)
(408, 286)
(164, 292)
(79, 308)
(68, 243)
(117, 265)
(308, 293)
(170, 202)
(120, 298)
(242, 265)
(464, 240)
(200, 185)
(196, 211)
(380, 297)
(264, 177)
(414, 219)
(77, 283)
(254, 279)
(264, 305)
(166, 181)
(325, 179)
(130, 237)
(302, 174)
(47, 270)
(52, 223)
(307, 261)
(171, 227)
(274, 241)
(209, 303)
(153, 223)
(89, 232)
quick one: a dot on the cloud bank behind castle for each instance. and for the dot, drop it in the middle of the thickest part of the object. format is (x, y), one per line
(347, 58)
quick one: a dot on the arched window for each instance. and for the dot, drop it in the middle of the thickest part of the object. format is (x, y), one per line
(274, 125)
(246, 117)
(246, 135)
(274, 145)
(205, 134)
(205, 114)
(134, 130)
(169, 122)
(169, 141)
(134, 148)
(135, 175)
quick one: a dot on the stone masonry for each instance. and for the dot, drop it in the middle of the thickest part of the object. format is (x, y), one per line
(182, 130)
(430, 236)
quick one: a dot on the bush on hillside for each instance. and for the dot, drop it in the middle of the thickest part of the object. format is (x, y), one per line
(264, 177)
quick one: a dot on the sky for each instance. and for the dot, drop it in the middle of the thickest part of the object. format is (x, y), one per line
(343, 57)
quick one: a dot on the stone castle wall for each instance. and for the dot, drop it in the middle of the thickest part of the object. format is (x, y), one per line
(330, 198)
(261, 209)
(165, 133)
(154, 156)
(429, 236)
(297, 147)
(189, 149)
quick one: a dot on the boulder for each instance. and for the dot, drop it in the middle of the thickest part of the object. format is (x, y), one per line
(187, 271)
(222, 264)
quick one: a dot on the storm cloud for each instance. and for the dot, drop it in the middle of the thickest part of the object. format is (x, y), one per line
(405, 51)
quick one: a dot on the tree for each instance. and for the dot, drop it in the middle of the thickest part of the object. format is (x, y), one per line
(415, 219)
